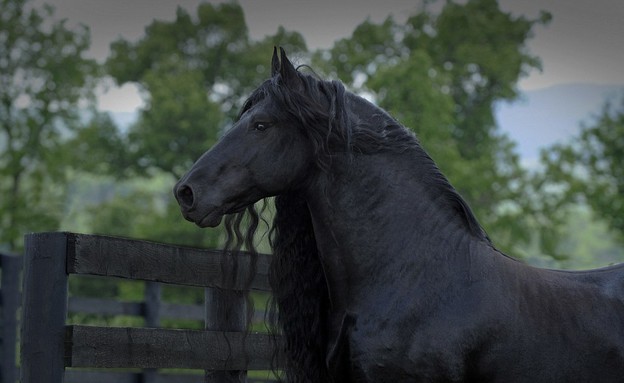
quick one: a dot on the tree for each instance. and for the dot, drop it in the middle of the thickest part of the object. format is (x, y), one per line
(178, 123)
(441, 76)
(483, 51)
(43, 76)
(195, 72)
(97, 147)
(590, 168)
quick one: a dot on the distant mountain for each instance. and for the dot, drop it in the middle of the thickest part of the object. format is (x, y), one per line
(543, 117)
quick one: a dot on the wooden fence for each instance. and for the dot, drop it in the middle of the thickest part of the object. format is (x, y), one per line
(10, 300)
(53, 351)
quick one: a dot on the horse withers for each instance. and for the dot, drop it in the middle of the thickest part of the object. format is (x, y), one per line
(381, 272)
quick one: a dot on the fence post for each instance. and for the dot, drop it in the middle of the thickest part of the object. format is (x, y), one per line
(44, 308)
(11, 268)
(226, 310)
(152, 319)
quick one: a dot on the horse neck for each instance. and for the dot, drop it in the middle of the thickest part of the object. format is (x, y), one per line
(385, 215)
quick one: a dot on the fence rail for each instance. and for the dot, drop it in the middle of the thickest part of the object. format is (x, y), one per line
(224, 350)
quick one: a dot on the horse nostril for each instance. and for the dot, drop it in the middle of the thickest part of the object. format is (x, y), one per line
(185, 196)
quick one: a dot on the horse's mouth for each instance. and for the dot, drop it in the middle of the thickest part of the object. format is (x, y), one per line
(213, 217)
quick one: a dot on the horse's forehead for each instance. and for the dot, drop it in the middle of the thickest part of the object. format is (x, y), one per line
(253, 100)
(261, 100)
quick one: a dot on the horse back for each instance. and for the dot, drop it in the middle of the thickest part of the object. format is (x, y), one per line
(560, 326)
(609, 280)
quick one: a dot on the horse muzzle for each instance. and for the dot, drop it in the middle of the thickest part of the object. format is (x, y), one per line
(210, 216)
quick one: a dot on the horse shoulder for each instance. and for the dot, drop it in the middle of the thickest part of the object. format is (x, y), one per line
(418, 341)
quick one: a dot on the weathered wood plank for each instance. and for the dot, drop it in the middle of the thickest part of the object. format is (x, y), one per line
(44, 308)
(81, 376)
(109, 347)
(10, 300)
(179, 378)
(135, 259)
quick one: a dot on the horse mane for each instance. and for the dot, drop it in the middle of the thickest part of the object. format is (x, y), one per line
(328, 115)
(300, 299)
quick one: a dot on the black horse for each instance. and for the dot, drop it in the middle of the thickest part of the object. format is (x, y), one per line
(381, 271)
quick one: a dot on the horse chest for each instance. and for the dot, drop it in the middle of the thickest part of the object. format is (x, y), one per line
(394, 352)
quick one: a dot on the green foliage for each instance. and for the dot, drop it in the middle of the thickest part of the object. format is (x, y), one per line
(590, 168)
(98, 147)
(589, 241)
(209, 42)
(42, 78)
(355, 59)
(138, 208)
(437, 73)
(483, 52)
(178, 123)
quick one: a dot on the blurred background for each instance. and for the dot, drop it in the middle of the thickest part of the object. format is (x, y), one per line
(103, 105)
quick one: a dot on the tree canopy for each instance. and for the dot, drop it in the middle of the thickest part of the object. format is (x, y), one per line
(43, 77)
(439, 73)
(590, 168)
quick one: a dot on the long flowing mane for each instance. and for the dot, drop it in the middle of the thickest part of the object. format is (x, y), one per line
(329, 116)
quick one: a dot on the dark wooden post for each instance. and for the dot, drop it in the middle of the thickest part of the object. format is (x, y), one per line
(152, 319)
(44, 308)
(226, 310)
(152, 304)
(11, 268)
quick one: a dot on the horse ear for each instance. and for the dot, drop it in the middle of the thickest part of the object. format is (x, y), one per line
(275, 64)
(288, 71)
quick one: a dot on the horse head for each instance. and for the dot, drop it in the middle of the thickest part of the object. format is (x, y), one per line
(263, 154)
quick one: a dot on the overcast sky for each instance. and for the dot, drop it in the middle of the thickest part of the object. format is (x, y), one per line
(583, 44)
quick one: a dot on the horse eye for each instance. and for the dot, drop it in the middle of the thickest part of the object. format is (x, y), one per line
(261, 126)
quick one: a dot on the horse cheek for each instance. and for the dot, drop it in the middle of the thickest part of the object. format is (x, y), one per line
(293, 160)
(277, 179)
